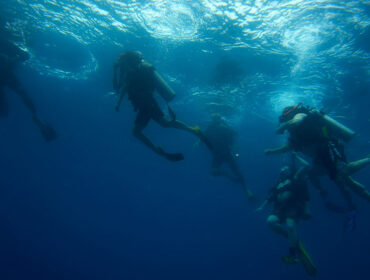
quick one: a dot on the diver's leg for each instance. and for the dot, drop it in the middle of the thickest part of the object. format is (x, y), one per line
(274, 223)
(182, 126)
(47, 131)
(138, 133)
(26, 101)
(140, 123)
(292, 233)
(358, 188)
(356, 166)
(176, 124)
(239, 175)
(315, 181)
(235, 169)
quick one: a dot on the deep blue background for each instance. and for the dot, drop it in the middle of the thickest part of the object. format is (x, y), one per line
(96, 204)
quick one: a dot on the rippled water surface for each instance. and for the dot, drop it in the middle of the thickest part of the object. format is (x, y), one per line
(97, 204)
(309, 43)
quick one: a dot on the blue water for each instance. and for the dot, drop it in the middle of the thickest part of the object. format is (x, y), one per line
(97, 204)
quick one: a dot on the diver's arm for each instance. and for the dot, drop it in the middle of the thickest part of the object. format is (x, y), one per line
(303, 170)
(268, 200)
(119, 84)
(301, 160)
(263, 205)
(280, 150)
(295, 158)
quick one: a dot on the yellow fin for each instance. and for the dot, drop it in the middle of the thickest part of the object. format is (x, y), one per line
(306, 260)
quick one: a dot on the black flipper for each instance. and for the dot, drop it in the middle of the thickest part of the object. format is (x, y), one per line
(174, 156)
(48, 132)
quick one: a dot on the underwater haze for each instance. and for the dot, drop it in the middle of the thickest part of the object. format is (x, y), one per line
(97, 204)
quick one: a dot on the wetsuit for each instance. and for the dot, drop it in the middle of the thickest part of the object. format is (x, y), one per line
(313, 133)
(221, 138)
(289, 199)
(141, 84)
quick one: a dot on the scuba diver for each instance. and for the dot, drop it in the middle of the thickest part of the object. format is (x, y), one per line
(319, 137)
(10, 57)
(221, 138)
(290, 197)
(140, 79)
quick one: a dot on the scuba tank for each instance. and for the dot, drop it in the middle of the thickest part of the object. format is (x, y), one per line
(333, 126)
(338, 129)
(163, 88)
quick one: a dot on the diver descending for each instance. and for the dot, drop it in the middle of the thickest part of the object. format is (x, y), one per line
(139, 79)
(222, 137)
(290, 197)
(10, 56)
(101, 179)
(321, 138)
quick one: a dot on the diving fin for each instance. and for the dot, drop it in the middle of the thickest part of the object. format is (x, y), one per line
(251, 197)
(48, 132)
(170, 156)
(289, 260)
(306, 260)
(174, 156)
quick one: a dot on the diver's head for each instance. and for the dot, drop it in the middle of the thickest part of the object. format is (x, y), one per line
(290, 111)
(130, 59)
(286, 172)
